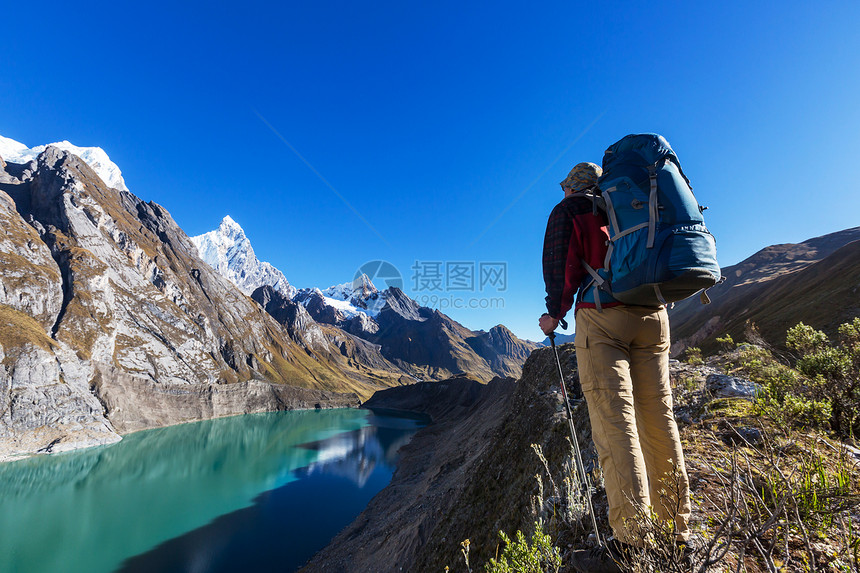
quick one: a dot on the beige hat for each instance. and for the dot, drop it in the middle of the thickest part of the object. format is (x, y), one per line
(582, 176)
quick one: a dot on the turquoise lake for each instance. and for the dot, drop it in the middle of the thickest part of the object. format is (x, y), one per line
(260, 492)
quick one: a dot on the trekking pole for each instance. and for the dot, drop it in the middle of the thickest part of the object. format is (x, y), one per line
(585, 482)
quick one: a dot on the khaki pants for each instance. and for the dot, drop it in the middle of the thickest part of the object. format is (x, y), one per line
(623, 359)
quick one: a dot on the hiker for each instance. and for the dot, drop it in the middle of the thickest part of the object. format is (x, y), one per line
(622, 353)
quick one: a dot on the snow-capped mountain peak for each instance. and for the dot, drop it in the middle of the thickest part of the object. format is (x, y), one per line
(339, 292)
(229, 227)
(15, 152)
(228, 251)
(362, 288)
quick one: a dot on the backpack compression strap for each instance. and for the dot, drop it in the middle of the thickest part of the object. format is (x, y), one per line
(597, 280)
(653, 212)
(652, 203)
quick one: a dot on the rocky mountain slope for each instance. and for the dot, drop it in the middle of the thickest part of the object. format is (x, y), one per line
(111, 322)
(815, 281)
(409, 339)
(332, 344)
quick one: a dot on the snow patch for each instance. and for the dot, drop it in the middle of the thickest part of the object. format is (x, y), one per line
(348, 309)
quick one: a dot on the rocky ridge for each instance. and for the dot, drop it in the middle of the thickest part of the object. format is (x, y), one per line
(14, 152)
(386, 329)
(474, 471)
(815, 281)
(431, 345)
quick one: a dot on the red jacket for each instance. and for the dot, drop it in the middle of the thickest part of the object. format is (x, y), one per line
(573, 233)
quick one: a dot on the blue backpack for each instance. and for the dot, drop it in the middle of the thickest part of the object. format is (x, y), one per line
(659, 248)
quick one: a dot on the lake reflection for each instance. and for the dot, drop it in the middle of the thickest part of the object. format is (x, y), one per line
(355, 455)
(261, 489)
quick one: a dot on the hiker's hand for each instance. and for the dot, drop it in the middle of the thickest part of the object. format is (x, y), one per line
(548, 324)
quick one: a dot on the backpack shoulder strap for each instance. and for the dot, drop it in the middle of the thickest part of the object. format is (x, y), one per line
(597, 200)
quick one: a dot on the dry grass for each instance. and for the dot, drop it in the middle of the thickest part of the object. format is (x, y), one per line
(18, 329)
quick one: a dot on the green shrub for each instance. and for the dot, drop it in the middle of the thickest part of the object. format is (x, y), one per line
(693, 355)
(805, 338)
(726, 342)
(786, 396)
(824, 389)
(687, 383)
(794, 411)
(520, 556)
(832, 371)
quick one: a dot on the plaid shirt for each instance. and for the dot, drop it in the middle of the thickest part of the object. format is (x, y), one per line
(573, 233)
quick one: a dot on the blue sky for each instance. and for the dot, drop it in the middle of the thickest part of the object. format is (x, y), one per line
(446, 126)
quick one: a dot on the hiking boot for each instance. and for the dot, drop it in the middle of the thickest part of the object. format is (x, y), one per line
(676, 557)
(607, 558)
(684, 551)
(595, 560)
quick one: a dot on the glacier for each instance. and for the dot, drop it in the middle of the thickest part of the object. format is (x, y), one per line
(15, 152)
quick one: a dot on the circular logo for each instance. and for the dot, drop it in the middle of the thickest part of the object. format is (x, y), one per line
(383, 275)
